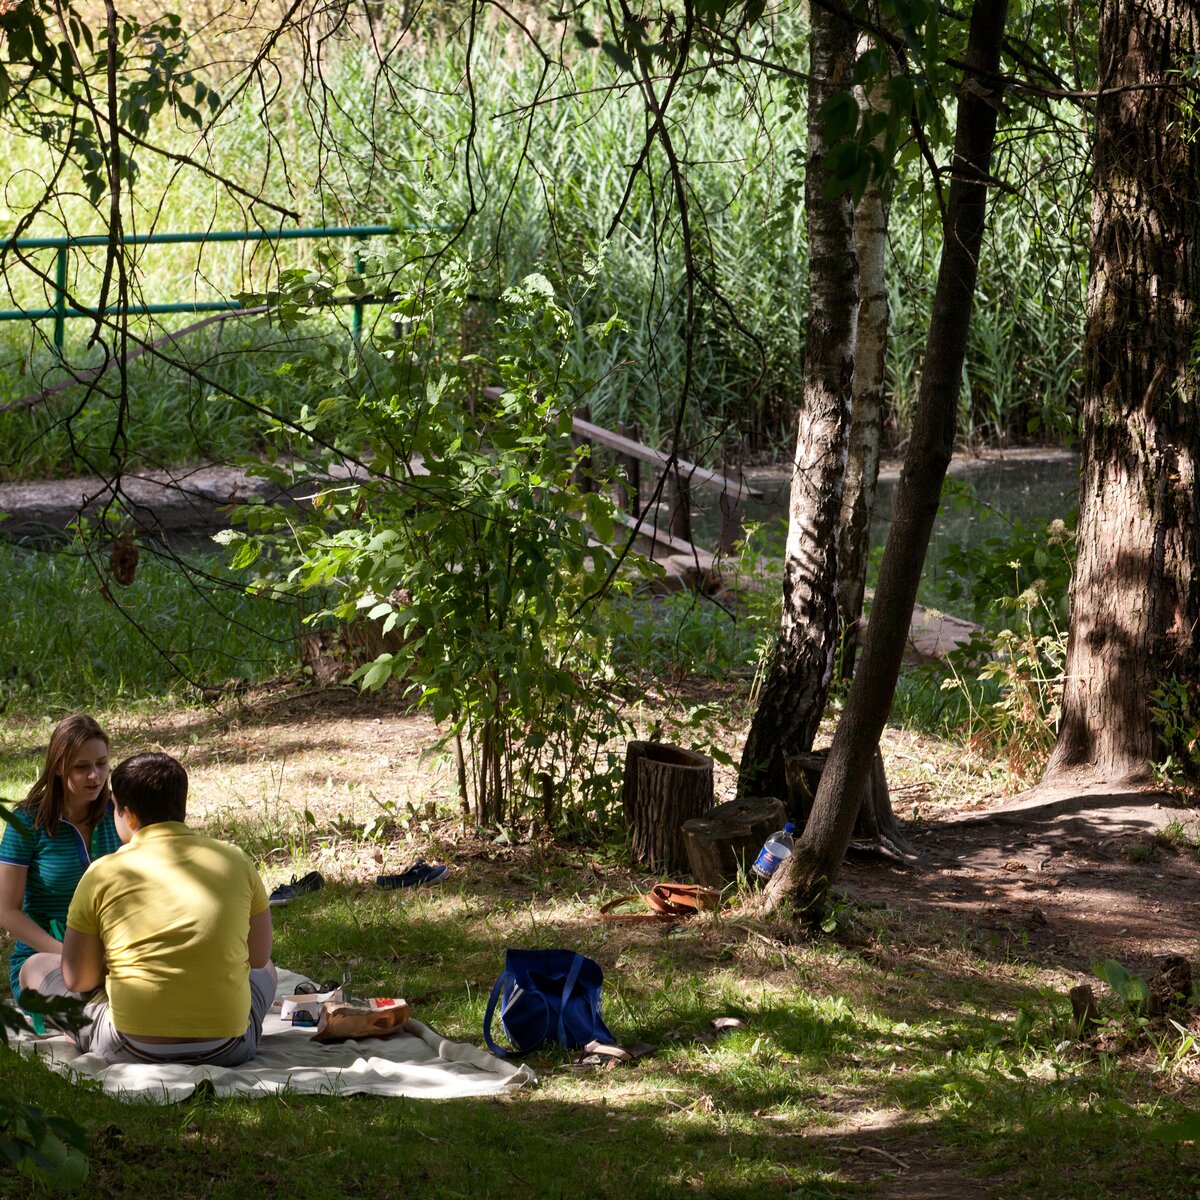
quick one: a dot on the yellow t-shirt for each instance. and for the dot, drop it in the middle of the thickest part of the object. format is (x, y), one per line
(173, 910)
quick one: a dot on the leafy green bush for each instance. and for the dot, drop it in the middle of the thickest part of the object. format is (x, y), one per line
(43, 1147)
(1175, 710)
(1010, 676)
(1026, 571)
(452, 521)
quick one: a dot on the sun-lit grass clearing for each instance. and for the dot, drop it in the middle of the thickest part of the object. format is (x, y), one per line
(68, 644)
(851, 1072)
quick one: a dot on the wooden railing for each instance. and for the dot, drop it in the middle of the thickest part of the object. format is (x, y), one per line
(675, 494)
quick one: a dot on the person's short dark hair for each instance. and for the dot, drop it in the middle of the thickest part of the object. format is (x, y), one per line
(152, 786)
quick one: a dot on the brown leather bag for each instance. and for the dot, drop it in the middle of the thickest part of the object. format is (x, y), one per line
(666, 902)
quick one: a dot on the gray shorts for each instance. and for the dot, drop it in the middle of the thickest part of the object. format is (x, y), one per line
(102, 1038)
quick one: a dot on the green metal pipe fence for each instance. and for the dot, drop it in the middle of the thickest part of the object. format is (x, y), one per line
(61, 311)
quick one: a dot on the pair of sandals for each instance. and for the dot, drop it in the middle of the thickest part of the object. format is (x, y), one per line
(601, 1054)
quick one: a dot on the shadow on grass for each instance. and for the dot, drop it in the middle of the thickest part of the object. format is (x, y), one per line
(1055, 887)
(919, 1072)
(649, 1132)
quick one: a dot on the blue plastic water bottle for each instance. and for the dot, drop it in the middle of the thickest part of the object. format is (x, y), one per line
(775, 849)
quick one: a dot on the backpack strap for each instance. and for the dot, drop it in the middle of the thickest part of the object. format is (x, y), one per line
(497, 987)
(568, 988)
(656, 913)
(666, 902)
(683, 899)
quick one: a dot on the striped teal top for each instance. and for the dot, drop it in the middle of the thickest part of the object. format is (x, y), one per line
(55, 864)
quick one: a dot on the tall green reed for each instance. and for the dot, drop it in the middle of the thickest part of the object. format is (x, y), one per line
(533, 169)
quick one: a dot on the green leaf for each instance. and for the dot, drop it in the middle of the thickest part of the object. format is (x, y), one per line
(20, 43)
(377, 674)
(1133, 989)
(600, 516)
(619, 55)
(1186, 1129)
(839, 117)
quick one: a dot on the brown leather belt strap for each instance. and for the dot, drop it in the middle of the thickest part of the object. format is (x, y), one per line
(607, 913)
(666, 902)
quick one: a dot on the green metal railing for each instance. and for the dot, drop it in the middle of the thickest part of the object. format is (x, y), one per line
(61, 311)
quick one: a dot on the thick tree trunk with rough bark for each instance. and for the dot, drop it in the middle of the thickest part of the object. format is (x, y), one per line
(804, 878)
(870, 393)
(1135, 597)
(797, 684)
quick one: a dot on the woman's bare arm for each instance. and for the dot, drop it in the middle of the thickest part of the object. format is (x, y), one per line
(14, 918)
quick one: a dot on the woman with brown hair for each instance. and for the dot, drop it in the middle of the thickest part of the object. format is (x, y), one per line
(51, 838)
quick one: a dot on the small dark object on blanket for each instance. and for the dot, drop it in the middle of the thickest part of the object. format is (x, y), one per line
(307, 988)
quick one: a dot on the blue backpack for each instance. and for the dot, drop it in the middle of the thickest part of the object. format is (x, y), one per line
(546, 996)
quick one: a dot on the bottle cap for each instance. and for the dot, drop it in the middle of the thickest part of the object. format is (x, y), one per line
(789, 828)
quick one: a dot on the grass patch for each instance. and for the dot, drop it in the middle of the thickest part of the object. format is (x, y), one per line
(69, 646)
(851, 1079)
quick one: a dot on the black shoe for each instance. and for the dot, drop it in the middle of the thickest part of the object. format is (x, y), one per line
(285, 893)
(420, 872)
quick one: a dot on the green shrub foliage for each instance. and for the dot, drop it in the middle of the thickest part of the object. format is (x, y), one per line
(454, 521)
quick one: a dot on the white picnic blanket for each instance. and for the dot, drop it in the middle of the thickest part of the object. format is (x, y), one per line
(419, 1063)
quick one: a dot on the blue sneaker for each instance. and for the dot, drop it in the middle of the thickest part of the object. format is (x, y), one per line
(420, 872)
(285, 893)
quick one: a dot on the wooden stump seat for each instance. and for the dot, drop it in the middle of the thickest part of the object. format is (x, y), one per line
(664, 787)
(726, 840)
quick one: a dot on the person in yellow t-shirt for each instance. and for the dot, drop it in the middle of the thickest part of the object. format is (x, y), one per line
(175, 927)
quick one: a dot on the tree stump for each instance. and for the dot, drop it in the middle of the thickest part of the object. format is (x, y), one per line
(1170, 984)
(726, 840)
(1084, 1010)
(875, 827)
(664, 787)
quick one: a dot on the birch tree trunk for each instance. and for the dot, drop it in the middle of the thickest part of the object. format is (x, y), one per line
(1135, 608)
(804, 878)
(797, 683)
(869, 393)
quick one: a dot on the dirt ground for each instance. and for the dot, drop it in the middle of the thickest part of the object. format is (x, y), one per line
(1066, 880)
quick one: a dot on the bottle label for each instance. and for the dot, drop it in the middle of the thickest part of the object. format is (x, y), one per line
(765, 864)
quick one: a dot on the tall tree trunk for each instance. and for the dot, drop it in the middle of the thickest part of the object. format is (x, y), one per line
(793, 697)
(1135, 608)
(805, 877)
(870, 392)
